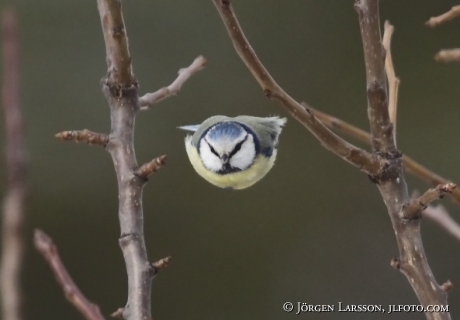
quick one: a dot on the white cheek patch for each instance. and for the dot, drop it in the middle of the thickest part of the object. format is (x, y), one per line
(244, 158)
(209, 159)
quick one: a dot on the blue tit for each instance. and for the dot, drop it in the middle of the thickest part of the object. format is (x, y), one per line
(234, 153)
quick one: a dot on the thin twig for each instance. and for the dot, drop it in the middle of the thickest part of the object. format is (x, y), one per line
(393, 81)
(46, 247)
(412, 261)
(161, 264)
(150, 167)
(448, 55)
(118, 314)
(121, 90)
(84, 136)
(415, 207)
(16, 170)
(356, 156)
(409, 164)
(149, 99)
(449, 15)
(440, 215)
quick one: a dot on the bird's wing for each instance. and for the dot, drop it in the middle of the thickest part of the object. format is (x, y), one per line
(192, 127)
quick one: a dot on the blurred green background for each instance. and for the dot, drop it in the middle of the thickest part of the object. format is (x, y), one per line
(315, 230)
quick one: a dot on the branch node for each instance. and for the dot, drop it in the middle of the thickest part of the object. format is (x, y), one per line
(160, 265)
(447, 286)
(414, 208)
(395, 263)
(148, 168)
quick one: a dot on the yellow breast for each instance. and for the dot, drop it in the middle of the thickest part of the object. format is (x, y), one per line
(235, 180)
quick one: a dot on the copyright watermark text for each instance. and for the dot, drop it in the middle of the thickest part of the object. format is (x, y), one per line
(303, 307)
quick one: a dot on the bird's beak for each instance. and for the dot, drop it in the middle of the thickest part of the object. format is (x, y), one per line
(224, 158)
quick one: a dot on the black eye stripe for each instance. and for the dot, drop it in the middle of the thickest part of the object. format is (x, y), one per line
(237, 147)
(212, 149)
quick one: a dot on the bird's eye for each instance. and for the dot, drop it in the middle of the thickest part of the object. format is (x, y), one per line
(212, 149)
(237, 147)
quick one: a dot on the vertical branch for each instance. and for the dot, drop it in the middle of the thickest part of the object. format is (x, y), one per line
(374, 58)
(116, 42)
(13, 207)
(412, 261)
(393, 81)
(121, 91)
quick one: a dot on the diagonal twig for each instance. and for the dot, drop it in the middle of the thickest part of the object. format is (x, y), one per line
(409, 164)
(16, 171)
(46, 247)
(414, 208)
(150, 167)
(356, 156)
(149, 99)
(449, 15)
(441, 216)
(448, 55)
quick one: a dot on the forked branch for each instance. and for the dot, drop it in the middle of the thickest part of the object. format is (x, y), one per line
(411, 166)
(412, 261)
(354, 155)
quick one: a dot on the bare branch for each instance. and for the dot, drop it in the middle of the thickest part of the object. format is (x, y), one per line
(121, 90)
(116, 43)
(412, 261)
(16, 170)
(150, 167)
(415, 207)
(409, 164)
(84, 136)
(393, 81)
(374, 57)
(149, 99)
(46, 247)
(356, 156)
(448, 55)
(451, 14)
(440, 215)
